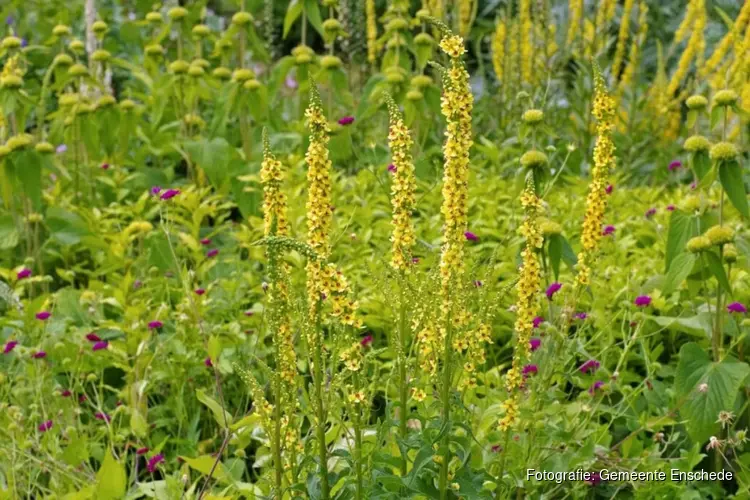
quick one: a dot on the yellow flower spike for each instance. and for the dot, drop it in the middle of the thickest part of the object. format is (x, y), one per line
(604, 160)
(524, 16)
(498, 48)
(403, 190)
(622, 37)
(372, 31)
(575, 12)
(693, 50)
(274, 200)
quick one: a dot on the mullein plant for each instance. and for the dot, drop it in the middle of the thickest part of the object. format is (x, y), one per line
(372, 31)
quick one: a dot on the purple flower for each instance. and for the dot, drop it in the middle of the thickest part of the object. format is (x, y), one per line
(391, 167)
(608, 230)
(581, 316)
(24, 42)
(137, 284)
(675, 165)
(693, 185)
(155, 190)
(535, 343)
(92, 337)
(530, 370)
(104, 166)
(154, 461)
(141, 451)
(609, 189)
(670, 208)
(290, 82)
(208, 362)
(595, 478)
(155, 324)
(9, 20)
(538, 321)
(169, 194)
(45, 426)
(471, 236)
(347, 120)
(589, 366)
(642, 301)
(200, 291)
(212, 253)
(736, 307)
(366, 341)
(595, 386)
(98, 346)
(249, 313)
(553, 289)
(478, 283)
(23, 273)
(102, 416)
(650, 212)
(415, 260)
(39, 355)
(9, 346)
(43, 315)
(205, 242)
(66, 393)
(61, 149)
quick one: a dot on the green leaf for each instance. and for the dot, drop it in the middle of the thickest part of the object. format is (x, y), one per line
(554, 250)
(214, 406)
(111, 482)
(8, 232)
(716, 115)
(701, 164)
(680, 230)
(723, 381)
(717, 269)
(205, 463)
(730, 174)
(292, 13)
(691, 117)
(312, 9)
(679, 270)
(159, 253)
(213, 156)
(28, 167)
(66, 227)
(138, 423)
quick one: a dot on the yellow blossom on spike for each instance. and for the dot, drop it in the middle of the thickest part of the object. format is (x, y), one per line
(403, 189)
(604, 160)
(693, 50)
(629, 72)
(274, 200)
(498, 48)
(524, 17)
(372, 31)
(622, 37)
(575, 13)
(465, 11)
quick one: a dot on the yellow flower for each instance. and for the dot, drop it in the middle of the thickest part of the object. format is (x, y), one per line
(622, 37)
(524, 18)
(274, 200)
(372, 31)
(498, 48)
(596, 202)
(629, 72)
(694, 48)
(575, 11)
(465, 11)
(403, 189)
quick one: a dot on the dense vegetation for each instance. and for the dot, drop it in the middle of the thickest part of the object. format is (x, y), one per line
(367, 249)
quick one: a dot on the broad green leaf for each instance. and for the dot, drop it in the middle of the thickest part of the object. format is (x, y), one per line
(111, 481)
(702, 404)
(699, 325)
(219, 414)
(730, 174)
(205, 463)
(554, 250)
(680, 230)
(28, 168)
(8, 232)
(312, 9)
(159, 252)
(717, 269)
(701, 164)
(292, 13)
(65, 227)
(138, 423)
(679, 270)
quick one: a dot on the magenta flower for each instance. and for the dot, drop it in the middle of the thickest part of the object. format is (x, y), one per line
(581, 316)
(154, 461)
(642, 301)
(366, 341)
(693, 185)
(155, 190)
(347, 120)
(82, 398)
(200, 291)
(670, 208)
(589, 366)
(66, 393)
(212, 253)
(104, 166)
(205, 242)
(415, 260)
(43, 316)
(595, 386)
(141, 451)
(676, 164)
(39, 355)
(155, 324)
(92, 337)
(538, 321)
(553, 289)
(608, 230)
(595, 478)
(102, 416)
(391, 167)
(169, 194)
(609, 189)
(471, 236)
(249, 313)
(736, 307)
(208, 362)
(478, 283)
(45, 426)
(535, 343)
(98, 346)
(23, 273)
(530, 370)
(650, 212)
(9, 346)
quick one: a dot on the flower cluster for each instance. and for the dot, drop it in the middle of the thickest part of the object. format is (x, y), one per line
(352, 357)
(528, 287)
(695, 45)
(596, 201)
(372, 31)
(274, 200)
(524, 18)
(402, 190)
(498, 48)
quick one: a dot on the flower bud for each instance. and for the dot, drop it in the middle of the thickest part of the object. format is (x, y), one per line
(11, 42)
(534, 159)
(242, 19)
(62, 60)
(101, 55)
(177, 13)
(154, 17)
(78, 70)
(201, 31)
(725, 97)
(696, 102)
(724, 151)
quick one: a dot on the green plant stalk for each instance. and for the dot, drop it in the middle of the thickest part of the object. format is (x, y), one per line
(403, 384)
(320, 409)
(358, 445)
(447, 376)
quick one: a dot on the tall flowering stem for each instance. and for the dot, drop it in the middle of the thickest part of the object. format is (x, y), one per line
(284, 435)
(604, 161)
(456, 105)
(372, 31)
(319, 220)
(403, 199)
(528, 287)
(527, 57)
(622, 37)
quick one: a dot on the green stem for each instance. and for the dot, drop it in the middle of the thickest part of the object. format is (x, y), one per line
(320, 411)
(403, 385)
(447, 376)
